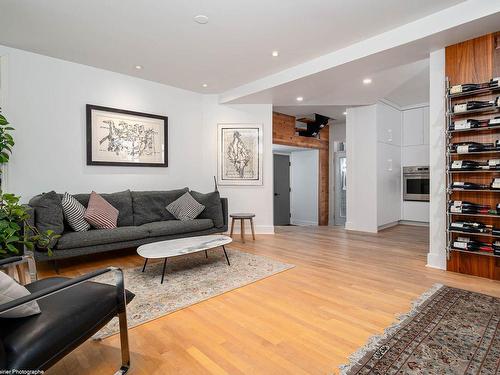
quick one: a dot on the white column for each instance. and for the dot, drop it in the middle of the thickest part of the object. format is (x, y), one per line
(437, 110)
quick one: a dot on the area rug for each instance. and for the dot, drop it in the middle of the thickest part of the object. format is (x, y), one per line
(188, 280)
(448, 331)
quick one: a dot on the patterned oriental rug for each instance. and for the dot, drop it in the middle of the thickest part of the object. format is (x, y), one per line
(188, 280)
(448, 331)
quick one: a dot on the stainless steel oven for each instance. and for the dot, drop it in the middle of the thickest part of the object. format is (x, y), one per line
(416, 184)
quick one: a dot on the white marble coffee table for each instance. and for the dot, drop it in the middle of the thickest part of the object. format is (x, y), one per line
(181, 246)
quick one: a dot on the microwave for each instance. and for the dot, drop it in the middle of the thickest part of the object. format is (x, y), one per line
(416, 184)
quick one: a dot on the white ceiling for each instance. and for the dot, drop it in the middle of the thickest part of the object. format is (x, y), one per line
(234, 48)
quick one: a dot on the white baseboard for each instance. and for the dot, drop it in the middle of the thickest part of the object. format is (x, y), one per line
(388, 225)
(411, 222)
(436, 261)
(303, 222)
(259, 229)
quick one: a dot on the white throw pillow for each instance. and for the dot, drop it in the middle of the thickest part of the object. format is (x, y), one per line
(74, 212)
(185, 207)
(11, 290)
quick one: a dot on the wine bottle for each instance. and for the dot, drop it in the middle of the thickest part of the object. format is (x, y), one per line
(466, 87)
(470, 227)
(495, 183)
(494, 82)
(493, 164)
(464, 165)
(494, 121)
(496, 247)
(473, 104)
(468, 124)
(460, 185)
(467, 207)
(467, 147)
(471, 245)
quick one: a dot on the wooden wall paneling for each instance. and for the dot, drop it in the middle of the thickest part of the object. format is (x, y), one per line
(475, 61)
(284, 134)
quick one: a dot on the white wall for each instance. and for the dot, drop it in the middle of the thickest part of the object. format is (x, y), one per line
(304, 185)
(388, 165)
(256, 199)
(437, 251)
(361, 135)
(415, 152)
(46, 100)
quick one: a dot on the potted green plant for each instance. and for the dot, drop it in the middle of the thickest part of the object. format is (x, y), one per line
(15, 231)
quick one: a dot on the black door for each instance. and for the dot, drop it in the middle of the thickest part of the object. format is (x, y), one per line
(281, 189)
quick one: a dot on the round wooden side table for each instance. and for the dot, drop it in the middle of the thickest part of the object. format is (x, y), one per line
(242, 218)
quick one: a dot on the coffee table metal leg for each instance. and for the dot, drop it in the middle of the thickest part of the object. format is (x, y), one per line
(163, 272)
(223, 248)
(145, 262)
(206, 254)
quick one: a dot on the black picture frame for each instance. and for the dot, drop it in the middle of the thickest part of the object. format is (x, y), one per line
(90, 161)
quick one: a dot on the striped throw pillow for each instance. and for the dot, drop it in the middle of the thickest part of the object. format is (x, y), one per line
(100, 214)
(185, 207)
(74, 213)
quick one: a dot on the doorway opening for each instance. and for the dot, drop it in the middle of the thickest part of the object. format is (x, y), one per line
(295, 185)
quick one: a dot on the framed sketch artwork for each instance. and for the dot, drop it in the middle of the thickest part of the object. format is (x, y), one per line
(239, 154)
(124, 138)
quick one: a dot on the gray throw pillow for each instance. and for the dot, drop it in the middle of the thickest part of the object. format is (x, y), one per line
(185, 207)
(10, 290)
(213, 207)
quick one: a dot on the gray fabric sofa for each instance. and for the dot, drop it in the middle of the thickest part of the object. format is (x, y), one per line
(142, 219)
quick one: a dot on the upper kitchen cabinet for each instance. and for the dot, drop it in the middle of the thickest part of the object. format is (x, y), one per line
(388, 124)
(426, 125)
(413, 127)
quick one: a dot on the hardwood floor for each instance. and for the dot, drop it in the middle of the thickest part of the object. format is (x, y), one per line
(346, 286)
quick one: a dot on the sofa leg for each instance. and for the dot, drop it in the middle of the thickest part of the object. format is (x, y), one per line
(55, 265)
(122, 317)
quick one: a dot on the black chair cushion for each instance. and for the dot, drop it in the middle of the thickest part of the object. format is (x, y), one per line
(68, 318)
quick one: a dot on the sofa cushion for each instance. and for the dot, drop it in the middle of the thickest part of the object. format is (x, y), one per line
(93, 237)
(68, 317)
(185, 208)
(122, 201)
(149, 206)
(213, 207)
(171, 227)
(48, 213)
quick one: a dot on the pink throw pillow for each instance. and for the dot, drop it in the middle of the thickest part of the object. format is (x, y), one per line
(100, 214)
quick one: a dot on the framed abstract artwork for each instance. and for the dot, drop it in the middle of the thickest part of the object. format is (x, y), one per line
(118, 137)
(239, 154)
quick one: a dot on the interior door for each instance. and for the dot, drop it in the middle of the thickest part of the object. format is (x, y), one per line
(281, 189)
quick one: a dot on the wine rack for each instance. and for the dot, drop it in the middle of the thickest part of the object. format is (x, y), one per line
(489, 197)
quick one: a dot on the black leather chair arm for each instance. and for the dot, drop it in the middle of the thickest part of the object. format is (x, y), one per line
(14, 259)
(68, 284)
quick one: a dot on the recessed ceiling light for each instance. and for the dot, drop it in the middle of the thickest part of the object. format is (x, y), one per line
(345, 113)
(138, 67)
(275, 53)
(367, 81)
(201, 19)
(205, 85)
(300, 98)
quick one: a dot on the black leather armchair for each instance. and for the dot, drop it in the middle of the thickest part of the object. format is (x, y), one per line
(72, 311)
